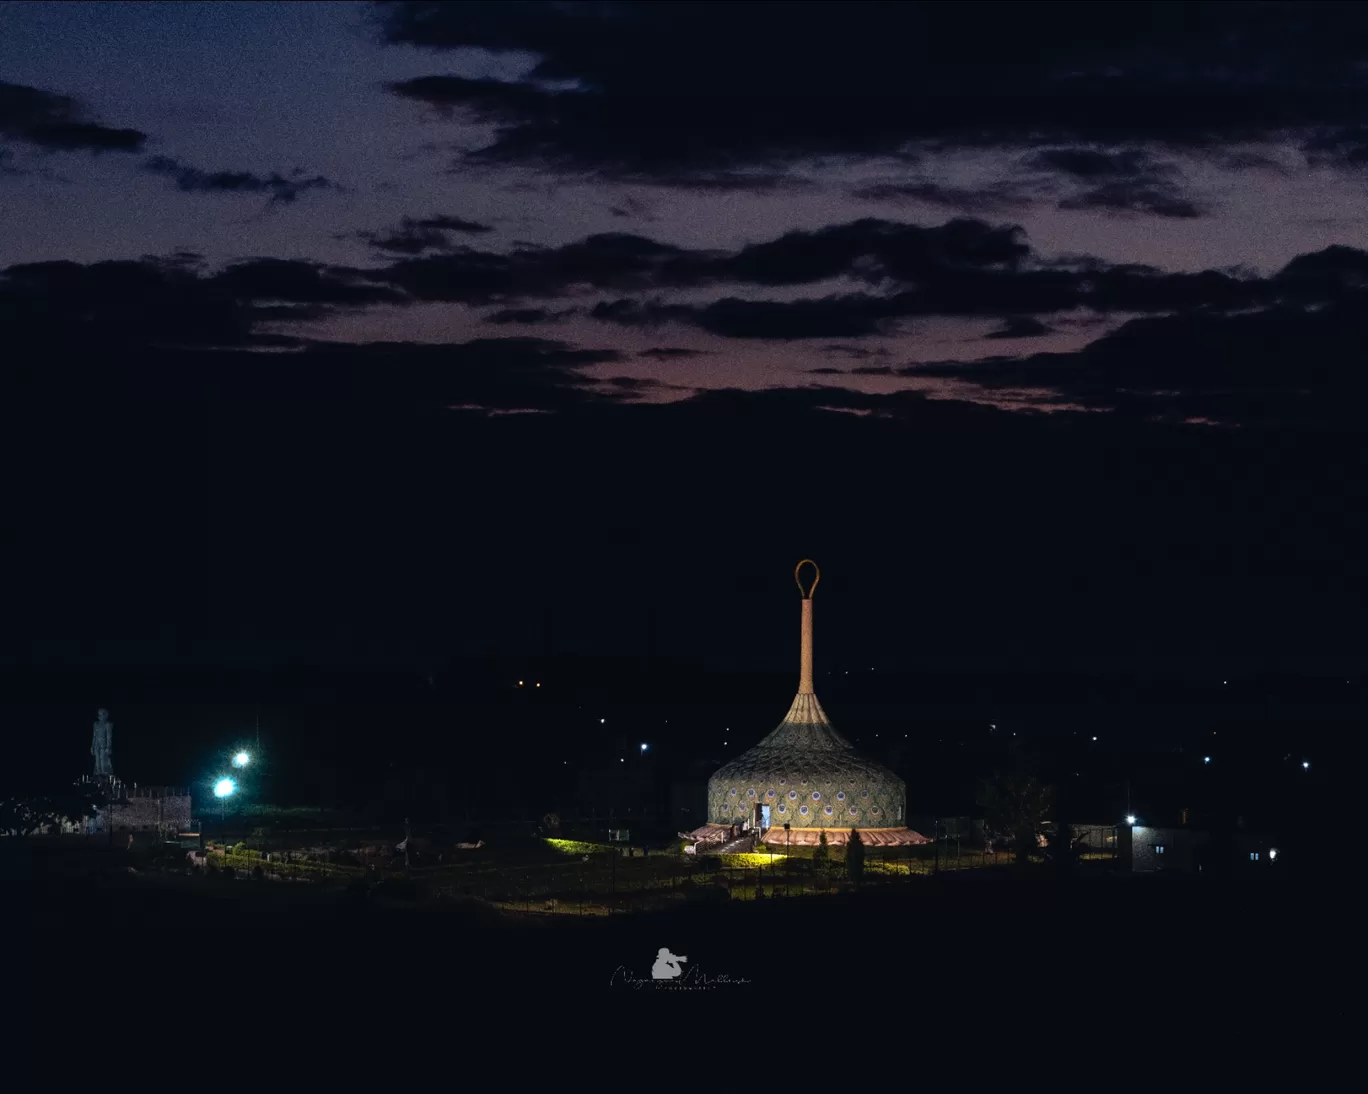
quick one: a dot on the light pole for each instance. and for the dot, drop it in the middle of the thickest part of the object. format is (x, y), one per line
(223, 790)
(788, 859)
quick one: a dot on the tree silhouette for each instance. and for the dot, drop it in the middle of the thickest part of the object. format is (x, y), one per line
(1017, 803)
(823, 851)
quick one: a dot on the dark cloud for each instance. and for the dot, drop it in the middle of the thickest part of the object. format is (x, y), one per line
(633, 383)
(47, 120)
(671, 353)
(415, 236)
(875, 250)
(616, 89)
(1346, 146)
(1129, 197)
(857, 353)
(1119, 181)
(870, 250)
(1093, 164)
(282, 190)
(999, 197)
(850, 316)
(526, 316)
(171, 302)
(607, 261)
(964, 268)
(1280, 366)
(1020, 326)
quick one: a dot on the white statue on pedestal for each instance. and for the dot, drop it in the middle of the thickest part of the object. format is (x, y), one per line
(102, 744)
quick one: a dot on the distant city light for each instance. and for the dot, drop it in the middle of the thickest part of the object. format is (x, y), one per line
(1225, 681)
(223, 788)
(538, 683)
(623, 760)
(1094, 738)
(241, 759)
(1206, 759)
(643, 746)
(1273, 851)
(1306, 765)
(520, 683)
(1130, 818)
(602, 720)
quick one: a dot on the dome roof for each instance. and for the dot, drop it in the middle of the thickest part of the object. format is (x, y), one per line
(805, 771)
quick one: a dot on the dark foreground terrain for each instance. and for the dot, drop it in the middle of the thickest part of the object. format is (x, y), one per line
(982, 945)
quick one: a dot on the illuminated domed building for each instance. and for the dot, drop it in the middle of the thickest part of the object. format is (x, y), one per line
(806, 775)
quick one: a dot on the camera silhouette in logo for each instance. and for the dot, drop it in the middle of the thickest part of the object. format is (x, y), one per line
(666, 965)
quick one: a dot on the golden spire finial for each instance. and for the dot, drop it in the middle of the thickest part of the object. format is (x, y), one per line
(805, 656)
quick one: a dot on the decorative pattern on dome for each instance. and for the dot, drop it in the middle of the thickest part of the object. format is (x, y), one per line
(805, 750)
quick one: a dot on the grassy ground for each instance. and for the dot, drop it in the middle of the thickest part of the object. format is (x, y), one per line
(531, 876)
(246, 944)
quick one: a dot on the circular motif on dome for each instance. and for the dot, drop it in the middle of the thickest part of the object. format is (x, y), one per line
(782, 783)
(740, 810)
(769, 793)
(840, 795)
(875, 811)
(828, 810)
(854, 812)
(816, 795)
(803, 809)
(750, 793)
(863, 793)
(733, 791)
(793, 795)
(783, 809)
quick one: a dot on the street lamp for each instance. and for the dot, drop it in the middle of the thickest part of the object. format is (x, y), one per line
(223, 790)
(1130, 818)
(242, 759)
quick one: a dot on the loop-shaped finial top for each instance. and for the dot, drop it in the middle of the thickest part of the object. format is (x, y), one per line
(817, 576)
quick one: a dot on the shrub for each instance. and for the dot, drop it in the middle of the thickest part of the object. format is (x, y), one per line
(822, 852)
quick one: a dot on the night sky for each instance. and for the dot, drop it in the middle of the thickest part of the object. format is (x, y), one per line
(393, 333)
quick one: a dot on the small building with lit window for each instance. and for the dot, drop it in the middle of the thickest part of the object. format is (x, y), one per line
(1148, 850)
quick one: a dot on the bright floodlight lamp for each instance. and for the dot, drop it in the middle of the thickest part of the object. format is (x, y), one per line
(1306, 765)
(643, 747)
(242, 759)
(223, 788)
(1130, 818)
(1272, 853)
